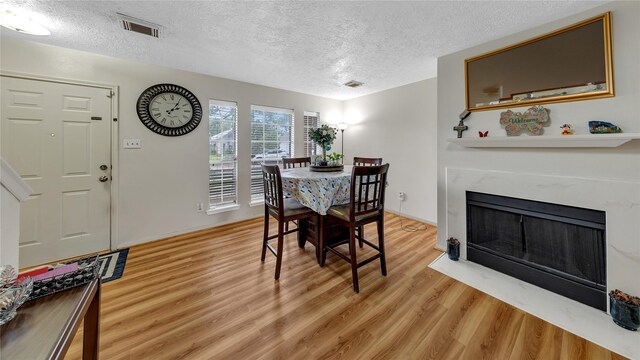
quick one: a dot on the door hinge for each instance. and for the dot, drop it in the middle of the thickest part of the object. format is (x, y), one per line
(115, 119)
(111, 93)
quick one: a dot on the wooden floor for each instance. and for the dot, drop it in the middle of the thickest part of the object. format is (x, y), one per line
(207, 296)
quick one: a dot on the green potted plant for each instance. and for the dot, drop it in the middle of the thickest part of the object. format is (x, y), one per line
(324, 137)
(334, 158)
(625, 309)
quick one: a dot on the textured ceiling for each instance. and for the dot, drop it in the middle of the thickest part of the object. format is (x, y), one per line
(311, 47)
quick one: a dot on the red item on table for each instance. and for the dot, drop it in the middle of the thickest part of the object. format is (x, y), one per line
(33, 272)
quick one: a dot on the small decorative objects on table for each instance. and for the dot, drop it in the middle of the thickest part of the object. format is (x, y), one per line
(625, 309)
(324, 137)
(64, 276)
(533, 120)
(13, 293)
(453, 249)
(566, 129)
(334, 158)
(603, 127)
(483, 134)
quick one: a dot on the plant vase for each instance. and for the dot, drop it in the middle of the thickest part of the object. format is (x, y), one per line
(624, 314)
(323, 162)
(453, 249)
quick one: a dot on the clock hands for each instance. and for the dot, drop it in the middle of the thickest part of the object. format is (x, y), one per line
(174, 108)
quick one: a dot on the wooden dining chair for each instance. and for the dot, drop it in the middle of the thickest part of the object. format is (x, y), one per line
(363, 161)
(289, 163)
(282, 209)
(366, 205)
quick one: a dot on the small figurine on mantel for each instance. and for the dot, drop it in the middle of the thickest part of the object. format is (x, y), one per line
(461, 126)
(603, 127)
(566, 129)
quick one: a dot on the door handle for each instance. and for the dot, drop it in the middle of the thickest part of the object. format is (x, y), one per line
(103, 167)
(103, 178)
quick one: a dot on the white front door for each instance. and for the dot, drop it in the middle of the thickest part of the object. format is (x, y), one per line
(58, 138)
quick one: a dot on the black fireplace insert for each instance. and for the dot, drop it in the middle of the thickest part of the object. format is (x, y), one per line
(559, 248)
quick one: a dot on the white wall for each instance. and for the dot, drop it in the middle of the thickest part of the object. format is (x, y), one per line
(621, 163)
(160, 184)
(399, 125)
(9, 228)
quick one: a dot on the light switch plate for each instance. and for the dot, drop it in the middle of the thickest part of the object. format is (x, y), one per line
(132, 144)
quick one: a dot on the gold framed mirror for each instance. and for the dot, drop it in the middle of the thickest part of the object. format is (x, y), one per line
(569, 64)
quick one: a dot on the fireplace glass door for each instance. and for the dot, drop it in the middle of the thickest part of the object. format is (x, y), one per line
(550, 243)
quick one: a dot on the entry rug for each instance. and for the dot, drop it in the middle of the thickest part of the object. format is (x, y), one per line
(112, 264)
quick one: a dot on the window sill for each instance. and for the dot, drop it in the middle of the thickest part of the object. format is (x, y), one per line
(256, 203)
(222, 209)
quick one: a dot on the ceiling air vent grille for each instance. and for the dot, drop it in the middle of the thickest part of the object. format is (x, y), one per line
(140, 26)
(353, 84)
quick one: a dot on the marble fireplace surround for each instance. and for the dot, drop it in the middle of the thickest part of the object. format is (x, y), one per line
(621, 202)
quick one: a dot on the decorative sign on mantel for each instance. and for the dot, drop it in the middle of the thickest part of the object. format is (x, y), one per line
(531, 120)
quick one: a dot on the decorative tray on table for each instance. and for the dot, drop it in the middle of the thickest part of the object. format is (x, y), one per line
(65, 276)
(326, 168)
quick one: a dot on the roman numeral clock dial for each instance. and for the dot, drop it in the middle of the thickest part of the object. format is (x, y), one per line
(169, 110)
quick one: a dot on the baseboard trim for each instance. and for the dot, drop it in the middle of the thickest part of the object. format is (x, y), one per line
(429, 222)
(183, 232)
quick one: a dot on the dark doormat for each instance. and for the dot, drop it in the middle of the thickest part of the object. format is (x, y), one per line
(112, 264)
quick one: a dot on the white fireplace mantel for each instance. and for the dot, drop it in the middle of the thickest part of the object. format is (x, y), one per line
(621, 202)
(568, 141)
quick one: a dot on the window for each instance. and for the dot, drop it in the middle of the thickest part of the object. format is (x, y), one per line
(271, 140)
(223, 166)
(311, 121)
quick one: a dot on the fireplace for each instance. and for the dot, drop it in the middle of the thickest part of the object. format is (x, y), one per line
(556, 247)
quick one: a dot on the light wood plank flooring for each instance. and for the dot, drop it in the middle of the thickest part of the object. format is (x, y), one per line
(206, 295)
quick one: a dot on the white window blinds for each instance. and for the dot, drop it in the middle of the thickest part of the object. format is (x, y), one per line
(223, 150)
(271, 140)
(311, 122)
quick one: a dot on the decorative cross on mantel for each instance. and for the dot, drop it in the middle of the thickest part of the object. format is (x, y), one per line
(460, 128)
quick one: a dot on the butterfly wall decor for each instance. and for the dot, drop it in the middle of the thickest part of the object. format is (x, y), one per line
(531, 121)
(483, 134)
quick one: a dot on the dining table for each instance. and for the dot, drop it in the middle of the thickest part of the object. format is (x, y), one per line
(318, 191)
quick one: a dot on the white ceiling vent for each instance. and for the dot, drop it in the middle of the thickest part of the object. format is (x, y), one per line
(137, 25)
(353, 84)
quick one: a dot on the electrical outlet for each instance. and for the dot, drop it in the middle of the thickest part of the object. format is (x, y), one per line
(199, 207)
(401, 196)
(132, 144)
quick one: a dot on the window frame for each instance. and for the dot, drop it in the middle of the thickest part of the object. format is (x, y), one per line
(215, 208)
(308, 143)
(255, 170)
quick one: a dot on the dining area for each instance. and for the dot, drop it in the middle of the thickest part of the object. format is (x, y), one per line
(328, 208)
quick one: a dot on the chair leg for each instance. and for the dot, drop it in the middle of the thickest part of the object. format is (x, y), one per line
(320, 239)
(360, 237)
(280, 246)
(354, 260)
(383, 260)
(266, 234)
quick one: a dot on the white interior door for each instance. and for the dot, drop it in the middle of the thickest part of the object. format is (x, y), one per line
(58, 138)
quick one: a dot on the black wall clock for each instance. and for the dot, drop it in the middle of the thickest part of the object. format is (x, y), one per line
(169, 110)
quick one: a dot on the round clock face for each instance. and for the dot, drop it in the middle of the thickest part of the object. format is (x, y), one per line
(169, 110)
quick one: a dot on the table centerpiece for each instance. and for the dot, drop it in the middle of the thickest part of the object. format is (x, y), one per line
(324, 136)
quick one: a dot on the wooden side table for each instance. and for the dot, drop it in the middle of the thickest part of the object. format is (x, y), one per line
(44, 328)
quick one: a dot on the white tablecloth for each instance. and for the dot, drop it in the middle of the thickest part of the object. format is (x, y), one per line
(317, 190)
